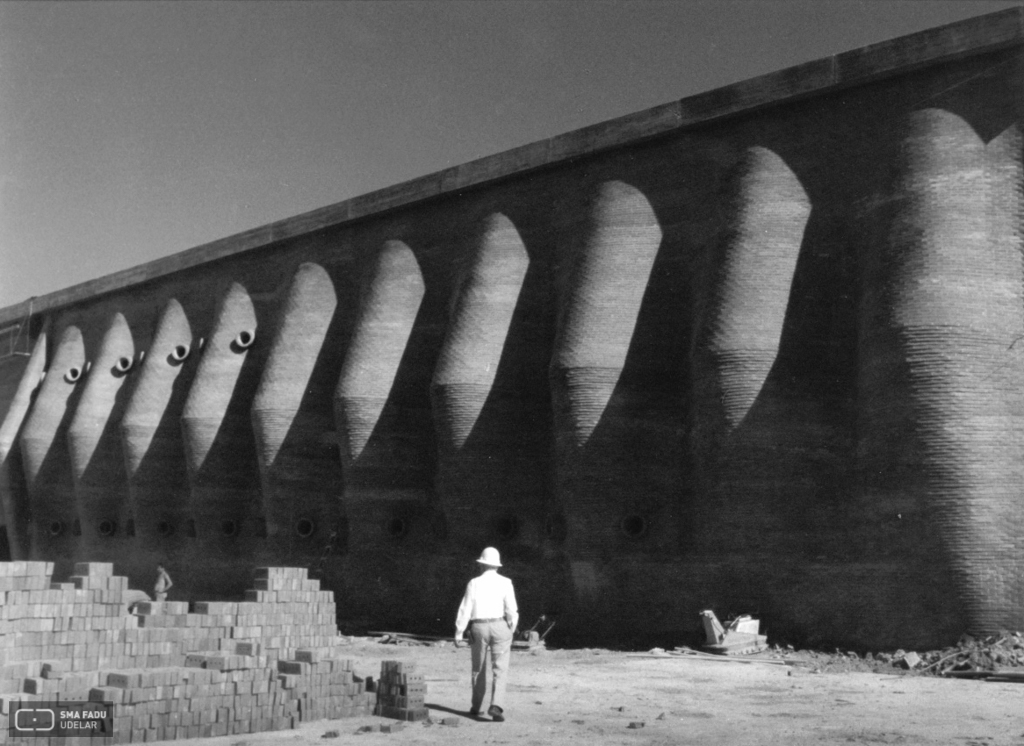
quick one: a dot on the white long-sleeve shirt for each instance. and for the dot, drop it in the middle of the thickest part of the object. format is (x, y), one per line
(488, 596)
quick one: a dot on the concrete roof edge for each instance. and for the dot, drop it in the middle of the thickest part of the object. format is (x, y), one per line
(972, 36)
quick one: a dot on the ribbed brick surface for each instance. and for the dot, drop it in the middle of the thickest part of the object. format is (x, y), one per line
(479, 453)
(744, 301)
(219, 449)
(151, 433)
(44, 452)
(390, 301)
(942, 380)
(760, 432)
(610, 253)
(94, 445)
(292, 415)
(379, 437)
(766, 364)
(13, 495)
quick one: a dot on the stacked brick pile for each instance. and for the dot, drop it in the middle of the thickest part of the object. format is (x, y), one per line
(401, 692)
(265, 663)
(242, 697)
(81, 623)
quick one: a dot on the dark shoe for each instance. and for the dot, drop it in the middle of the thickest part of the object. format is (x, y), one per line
(474, 713)
(496, 712)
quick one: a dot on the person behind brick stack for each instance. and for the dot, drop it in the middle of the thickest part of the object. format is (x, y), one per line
(490, 612)
(163, 584)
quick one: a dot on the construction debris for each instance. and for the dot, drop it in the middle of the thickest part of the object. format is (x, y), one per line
(533, 638)
(910, 661)
(530, 639)
(739, 637)
(407, 638)
(991, 656)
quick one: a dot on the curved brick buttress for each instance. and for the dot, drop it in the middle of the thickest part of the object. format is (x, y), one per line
(45, 455)
(482, 458)
(220, 452)
(151, 434)
(292, 418)
(94, 445)
(942, 413)
(386, 493)
(13, 495)
(744, 302)
(599, 422)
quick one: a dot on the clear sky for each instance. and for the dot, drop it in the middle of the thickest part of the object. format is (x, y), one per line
(133, 130)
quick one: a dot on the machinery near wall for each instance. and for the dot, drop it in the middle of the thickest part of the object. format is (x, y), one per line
(759, 350)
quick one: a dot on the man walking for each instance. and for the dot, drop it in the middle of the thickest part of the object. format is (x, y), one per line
(489, 609)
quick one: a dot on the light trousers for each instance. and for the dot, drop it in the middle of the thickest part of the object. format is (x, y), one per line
(494, 638)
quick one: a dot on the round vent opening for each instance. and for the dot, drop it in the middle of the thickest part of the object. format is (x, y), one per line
(244, 340)
(398, 527)
(634, 526)
(178, 354)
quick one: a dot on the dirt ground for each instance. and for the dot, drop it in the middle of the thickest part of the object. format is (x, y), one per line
(593, 696)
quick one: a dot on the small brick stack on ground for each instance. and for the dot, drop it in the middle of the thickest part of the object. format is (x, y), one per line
(401, 692)
(265, 663)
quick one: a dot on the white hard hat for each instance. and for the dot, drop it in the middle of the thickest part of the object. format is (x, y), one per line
(490, 557)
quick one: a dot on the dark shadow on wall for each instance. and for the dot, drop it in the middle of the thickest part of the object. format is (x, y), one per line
(808, 543)
(502, 468)
(497, 486)
(396, 531)
(225, 492)
(19, 488)
(308, 464)
(781, 479)
(51, 490)
(633, 472)
(161, 470)
(400, 450)
(509, 442)
(104, 475)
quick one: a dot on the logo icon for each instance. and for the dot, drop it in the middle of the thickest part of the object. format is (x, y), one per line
(35, 720)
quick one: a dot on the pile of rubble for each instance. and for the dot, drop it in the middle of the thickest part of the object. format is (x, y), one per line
(995, 653)
(970, 658)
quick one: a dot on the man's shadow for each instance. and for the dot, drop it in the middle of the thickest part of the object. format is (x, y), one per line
(463, 713)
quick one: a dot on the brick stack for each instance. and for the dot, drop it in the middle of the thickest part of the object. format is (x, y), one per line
(324, 687)
(401, 692)
(80, 623)
(265, 663)
(226, 694)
